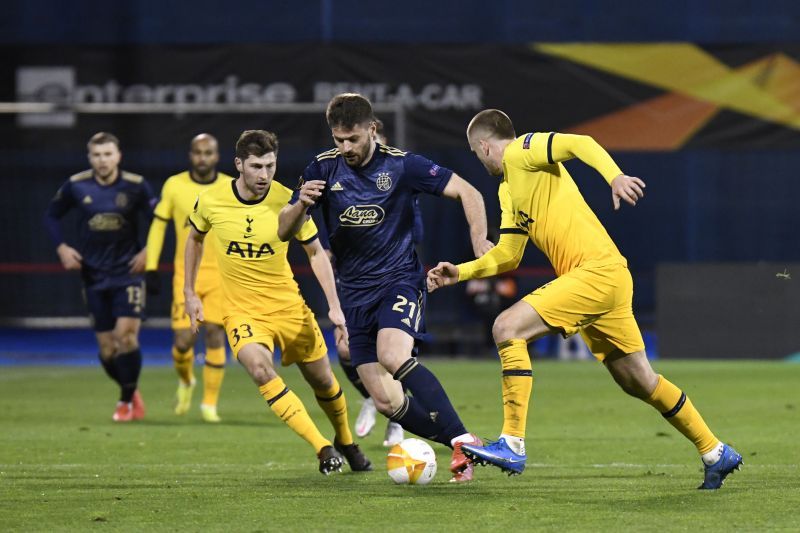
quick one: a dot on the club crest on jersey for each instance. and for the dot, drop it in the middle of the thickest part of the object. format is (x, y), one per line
(362, 215)
(121, 200)
(384, 181)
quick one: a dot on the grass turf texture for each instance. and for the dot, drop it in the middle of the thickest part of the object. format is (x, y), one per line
(597, 459)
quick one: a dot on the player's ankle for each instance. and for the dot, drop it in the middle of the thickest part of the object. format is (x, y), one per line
(517, 444)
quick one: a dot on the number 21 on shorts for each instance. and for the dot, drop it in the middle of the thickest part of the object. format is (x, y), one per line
(403, 306)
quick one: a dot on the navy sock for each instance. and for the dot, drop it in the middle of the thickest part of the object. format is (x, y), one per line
(108, 366)
(432, 398)
(414, 418)
(352, 375)
(128, 366)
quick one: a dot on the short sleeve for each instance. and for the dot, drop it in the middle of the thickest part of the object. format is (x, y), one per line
(424, 175)
(165, 204)
(308, 232)
(199, 216)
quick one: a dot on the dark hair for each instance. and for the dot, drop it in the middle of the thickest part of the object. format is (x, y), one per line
(346, 110)
(102, 137)
(257, 143)
(493, 122)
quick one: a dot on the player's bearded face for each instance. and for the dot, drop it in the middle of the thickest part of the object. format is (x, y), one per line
(104, 159)
(258, 172)
(357, 144)
(204, 157)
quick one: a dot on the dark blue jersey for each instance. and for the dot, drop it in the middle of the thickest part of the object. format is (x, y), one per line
(369, 214)
(108, 224)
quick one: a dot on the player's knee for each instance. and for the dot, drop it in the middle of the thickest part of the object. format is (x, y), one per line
(184, 340)
(503, 329)
(107, 350)
(126, 340)
(215, 336)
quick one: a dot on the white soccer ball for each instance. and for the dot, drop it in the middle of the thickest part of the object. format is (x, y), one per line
(412, 462)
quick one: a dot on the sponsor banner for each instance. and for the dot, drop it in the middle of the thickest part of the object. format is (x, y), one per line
(635, 97)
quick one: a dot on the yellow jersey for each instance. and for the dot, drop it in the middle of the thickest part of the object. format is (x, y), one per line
(540, 198)
(176, 204)
(256, 276)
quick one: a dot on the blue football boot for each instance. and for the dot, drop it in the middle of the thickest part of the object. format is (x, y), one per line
(496, 453)
(715, 474)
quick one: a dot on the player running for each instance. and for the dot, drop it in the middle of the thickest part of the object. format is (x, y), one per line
(367, 192)
(592, 294)
(262, 304)
(110, 259)
(176, 203)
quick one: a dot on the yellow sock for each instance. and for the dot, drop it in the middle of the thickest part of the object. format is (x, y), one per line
(677, 408)
(184, 363)
(517, 385)
(291, 410)
(213, 372)
(334, 404)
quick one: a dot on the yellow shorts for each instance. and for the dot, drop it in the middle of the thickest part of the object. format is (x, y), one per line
(209, 289)
(595, 301)
(294, 330)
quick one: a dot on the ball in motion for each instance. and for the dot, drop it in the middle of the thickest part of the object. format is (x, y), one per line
(411, 462)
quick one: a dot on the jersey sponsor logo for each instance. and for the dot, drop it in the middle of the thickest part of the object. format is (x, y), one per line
(384, 181)
(337, 187)
(249, 250)
(526, 143)
(362, 215)
(86, 199)
(106, 222)
(121, 200)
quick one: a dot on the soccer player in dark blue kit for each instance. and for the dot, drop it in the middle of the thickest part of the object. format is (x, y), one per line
(367, 192)
(110, 259)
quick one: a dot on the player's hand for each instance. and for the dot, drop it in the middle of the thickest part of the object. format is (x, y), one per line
(340, 328)
(69, 257)
(138, 261)
(194, 308)
(442, 275)
(152, 282)
(627, 188)
(310, 192)
(481, 246)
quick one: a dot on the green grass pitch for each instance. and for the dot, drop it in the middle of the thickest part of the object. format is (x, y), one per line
(597, 459)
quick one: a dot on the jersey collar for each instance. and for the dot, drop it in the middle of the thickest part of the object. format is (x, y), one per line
(248, 202)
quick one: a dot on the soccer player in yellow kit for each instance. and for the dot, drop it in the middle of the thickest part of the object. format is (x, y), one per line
(262, 306)
(592, 294)
(176, 203)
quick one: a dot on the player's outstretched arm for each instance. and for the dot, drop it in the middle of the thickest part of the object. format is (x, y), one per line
(192, 257)
(323, 271)
(502, 258)
(474, 210)
(293, 216)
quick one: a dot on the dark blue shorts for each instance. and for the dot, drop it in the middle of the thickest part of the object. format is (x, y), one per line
(107, 304)
(401, 306)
